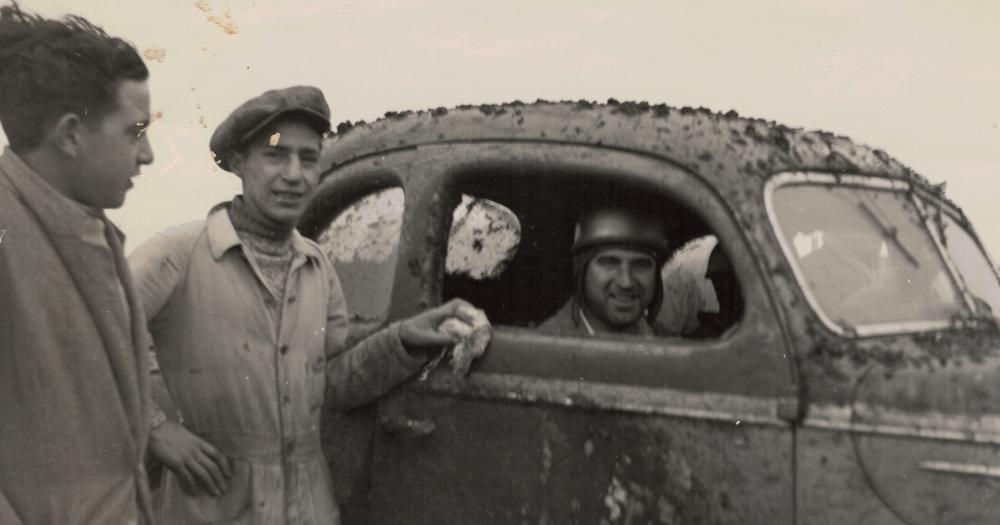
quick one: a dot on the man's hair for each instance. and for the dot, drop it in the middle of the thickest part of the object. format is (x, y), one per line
(49, 68)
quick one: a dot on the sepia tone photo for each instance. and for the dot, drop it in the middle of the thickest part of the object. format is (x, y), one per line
(423, 262)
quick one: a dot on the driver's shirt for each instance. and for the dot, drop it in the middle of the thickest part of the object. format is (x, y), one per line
(570, 319)
(251, 386)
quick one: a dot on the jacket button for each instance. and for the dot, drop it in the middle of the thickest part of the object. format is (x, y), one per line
(283, 349)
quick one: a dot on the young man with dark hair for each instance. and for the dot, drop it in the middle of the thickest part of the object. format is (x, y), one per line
(74, 392)
(251, 332)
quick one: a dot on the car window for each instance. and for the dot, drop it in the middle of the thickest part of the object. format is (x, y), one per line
(864, 256)
(972, 264)
(362, 242)
(699, 301)
(513, 256)
(483, 240)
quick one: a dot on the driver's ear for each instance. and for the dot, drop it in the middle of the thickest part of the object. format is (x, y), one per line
(66, 135)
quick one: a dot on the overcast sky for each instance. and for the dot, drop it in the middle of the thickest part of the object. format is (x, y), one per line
(920, 80)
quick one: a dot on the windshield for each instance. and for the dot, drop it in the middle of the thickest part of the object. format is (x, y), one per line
(864, 256)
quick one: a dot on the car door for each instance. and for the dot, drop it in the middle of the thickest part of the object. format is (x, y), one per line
(902, 425)
(555, 428)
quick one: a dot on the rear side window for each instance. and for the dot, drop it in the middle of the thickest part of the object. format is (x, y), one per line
(864, 256)
(362, 242)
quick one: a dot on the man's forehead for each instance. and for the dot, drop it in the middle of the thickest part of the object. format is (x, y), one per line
(624, 252)
(292, 137)
(133, 100)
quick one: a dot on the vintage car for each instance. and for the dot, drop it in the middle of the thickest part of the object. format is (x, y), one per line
(859, 382)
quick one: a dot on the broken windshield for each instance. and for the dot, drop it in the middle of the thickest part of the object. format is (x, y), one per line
(864, 256)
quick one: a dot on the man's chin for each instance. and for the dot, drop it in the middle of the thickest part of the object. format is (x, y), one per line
(106, 204)
(627, 315)
(117, 203)
(285, 217)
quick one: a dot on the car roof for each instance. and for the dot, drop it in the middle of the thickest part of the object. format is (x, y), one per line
(699, 139)
(725, 149)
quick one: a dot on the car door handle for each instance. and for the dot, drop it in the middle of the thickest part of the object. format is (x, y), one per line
(968, 469)
(399, 424)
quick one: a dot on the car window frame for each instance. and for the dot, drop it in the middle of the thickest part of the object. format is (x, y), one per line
(647, 172)
(925, 200)
(327, 206)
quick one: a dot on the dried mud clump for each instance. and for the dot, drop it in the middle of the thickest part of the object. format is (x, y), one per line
(344, 127)
(398, 115)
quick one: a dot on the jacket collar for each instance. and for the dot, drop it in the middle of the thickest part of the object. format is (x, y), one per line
(222, 235)
(61, 215)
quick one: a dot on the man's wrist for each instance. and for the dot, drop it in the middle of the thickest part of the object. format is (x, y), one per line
(411, 349)
(157, 419)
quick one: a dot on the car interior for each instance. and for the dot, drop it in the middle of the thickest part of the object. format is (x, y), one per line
(535, 280)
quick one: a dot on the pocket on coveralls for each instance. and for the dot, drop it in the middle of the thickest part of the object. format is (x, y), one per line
(176, 506)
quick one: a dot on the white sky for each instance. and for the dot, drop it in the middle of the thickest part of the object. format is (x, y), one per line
(920, 80)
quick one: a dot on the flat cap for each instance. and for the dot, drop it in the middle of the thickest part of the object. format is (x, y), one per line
(253, 115)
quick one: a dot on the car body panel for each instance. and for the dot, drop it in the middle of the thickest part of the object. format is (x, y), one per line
(794, 422)
(494, 459)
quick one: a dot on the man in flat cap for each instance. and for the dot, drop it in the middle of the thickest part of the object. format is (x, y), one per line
(250, 327)
(74, 380)
(617, 256)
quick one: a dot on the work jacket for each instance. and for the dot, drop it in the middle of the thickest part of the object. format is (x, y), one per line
(254, 392)
(74, 382)
(568, 322)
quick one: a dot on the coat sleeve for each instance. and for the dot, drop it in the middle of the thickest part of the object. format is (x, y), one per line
(369, 369)
(7, 514)
(156, 268)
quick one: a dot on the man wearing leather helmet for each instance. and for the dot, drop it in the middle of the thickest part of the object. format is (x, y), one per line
(617, 256)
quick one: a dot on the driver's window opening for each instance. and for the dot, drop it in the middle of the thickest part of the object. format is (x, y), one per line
(578, 255)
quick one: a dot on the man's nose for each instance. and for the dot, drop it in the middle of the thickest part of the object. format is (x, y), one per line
(145, 155)
(625, 277)
(293, 169)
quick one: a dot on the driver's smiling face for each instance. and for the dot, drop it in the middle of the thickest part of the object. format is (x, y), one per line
(618, 287)
(280, 170)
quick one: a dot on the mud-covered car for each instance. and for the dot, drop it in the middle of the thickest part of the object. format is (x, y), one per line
(858, 384)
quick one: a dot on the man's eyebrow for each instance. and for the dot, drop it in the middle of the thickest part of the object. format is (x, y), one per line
(300, 151)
